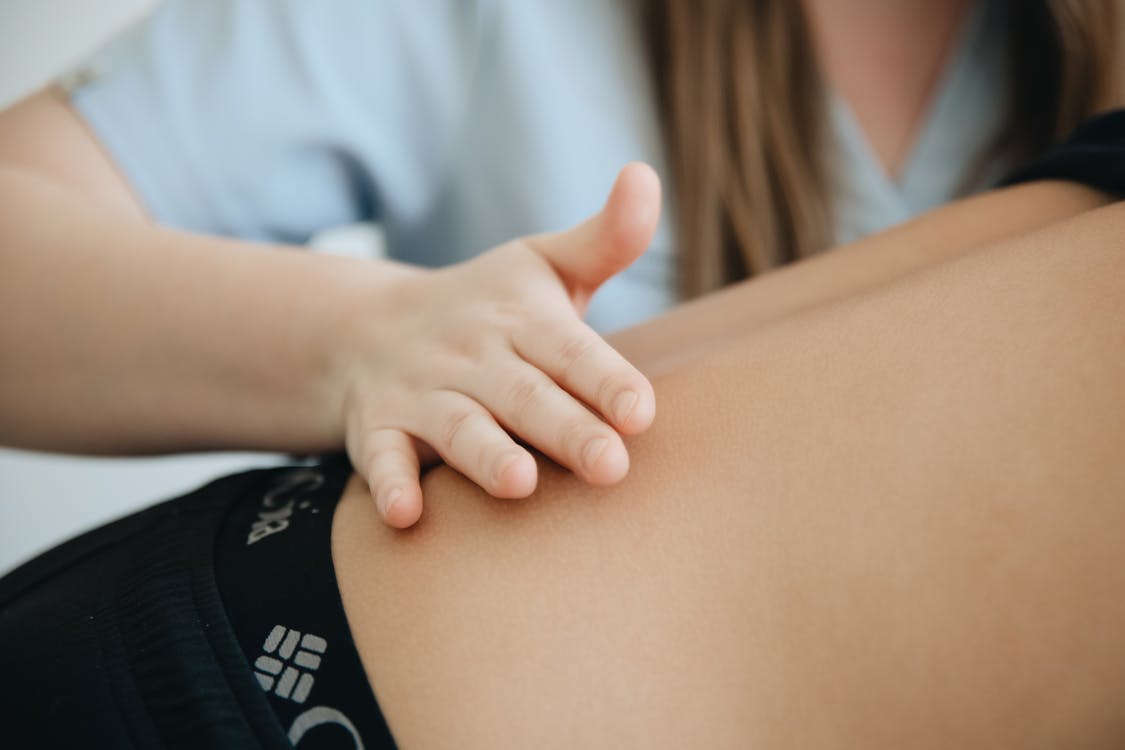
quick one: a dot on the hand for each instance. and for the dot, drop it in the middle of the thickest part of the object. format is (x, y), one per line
(461, 359)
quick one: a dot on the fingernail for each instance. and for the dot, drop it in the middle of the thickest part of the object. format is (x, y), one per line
(386, 501)
(623, 405)
(593, 452)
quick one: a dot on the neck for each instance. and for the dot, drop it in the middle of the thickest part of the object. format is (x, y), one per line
(886, 57)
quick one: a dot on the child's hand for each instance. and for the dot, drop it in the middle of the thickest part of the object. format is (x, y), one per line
(495, 346)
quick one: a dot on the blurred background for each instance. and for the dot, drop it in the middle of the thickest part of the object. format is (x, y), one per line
(41, 38)
(47, 498)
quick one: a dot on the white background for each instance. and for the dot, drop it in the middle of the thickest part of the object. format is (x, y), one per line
(45, 499)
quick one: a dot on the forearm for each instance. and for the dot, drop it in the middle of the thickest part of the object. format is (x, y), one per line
(149, 340)
(121, 336)
(928, 240)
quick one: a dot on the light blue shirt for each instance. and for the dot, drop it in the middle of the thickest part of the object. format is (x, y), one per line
(456, 124)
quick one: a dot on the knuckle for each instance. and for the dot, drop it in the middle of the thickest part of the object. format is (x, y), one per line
(491, 459)
(372, 474)
(463, 347)
(609, 386)
(368, 445)
(452, 426)
(523, 393)
(381, 410)
(377, 458)
(572, 350)
(571, 438)
(508, 315)
(512, 311)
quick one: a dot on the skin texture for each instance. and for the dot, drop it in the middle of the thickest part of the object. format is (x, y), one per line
(892, 520)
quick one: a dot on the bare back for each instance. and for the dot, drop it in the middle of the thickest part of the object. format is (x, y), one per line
(894, 521)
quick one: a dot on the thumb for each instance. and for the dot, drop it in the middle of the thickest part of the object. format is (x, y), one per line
(606, 243)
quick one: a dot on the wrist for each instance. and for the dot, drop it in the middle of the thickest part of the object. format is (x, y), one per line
(365, 299)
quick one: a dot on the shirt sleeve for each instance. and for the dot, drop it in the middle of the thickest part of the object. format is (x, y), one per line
(272, 119)
(1094, 155)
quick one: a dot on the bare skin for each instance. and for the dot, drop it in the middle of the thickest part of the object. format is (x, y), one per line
(889, 521)
(928, 240)
(886, 58)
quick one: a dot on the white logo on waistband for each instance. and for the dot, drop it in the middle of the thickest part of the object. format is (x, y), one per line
(282, 501)
(286, 668)
(318, 716)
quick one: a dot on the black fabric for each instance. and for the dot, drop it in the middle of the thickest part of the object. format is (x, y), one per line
(120, 638)
(1094, 155)
(274, 569)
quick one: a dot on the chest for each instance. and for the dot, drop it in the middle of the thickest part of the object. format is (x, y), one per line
(562, 98)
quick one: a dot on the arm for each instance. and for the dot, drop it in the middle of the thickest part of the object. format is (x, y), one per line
(122, 336)
(928, 240)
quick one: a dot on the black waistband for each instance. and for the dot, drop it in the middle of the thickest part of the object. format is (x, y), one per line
(273, 567)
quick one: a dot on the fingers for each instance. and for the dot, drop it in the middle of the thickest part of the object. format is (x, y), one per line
(388, 461)
(606, 243)
(463, 434)
(534, 407)
(583, 363)
(468, 438)
(536, 404)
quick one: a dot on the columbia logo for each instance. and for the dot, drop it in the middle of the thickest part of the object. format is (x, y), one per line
(275, 672)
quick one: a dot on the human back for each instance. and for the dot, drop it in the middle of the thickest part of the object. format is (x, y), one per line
(832, 537)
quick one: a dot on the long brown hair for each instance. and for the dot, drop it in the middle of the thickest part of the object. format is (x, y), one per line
(739, 92)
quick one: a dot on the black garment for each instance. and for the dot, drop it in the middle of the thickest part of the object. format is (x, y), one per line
(210, 621)
(1094, 155)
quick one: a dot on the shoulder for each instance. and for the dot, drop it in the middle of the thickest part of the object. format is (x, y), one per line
(341, 23)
